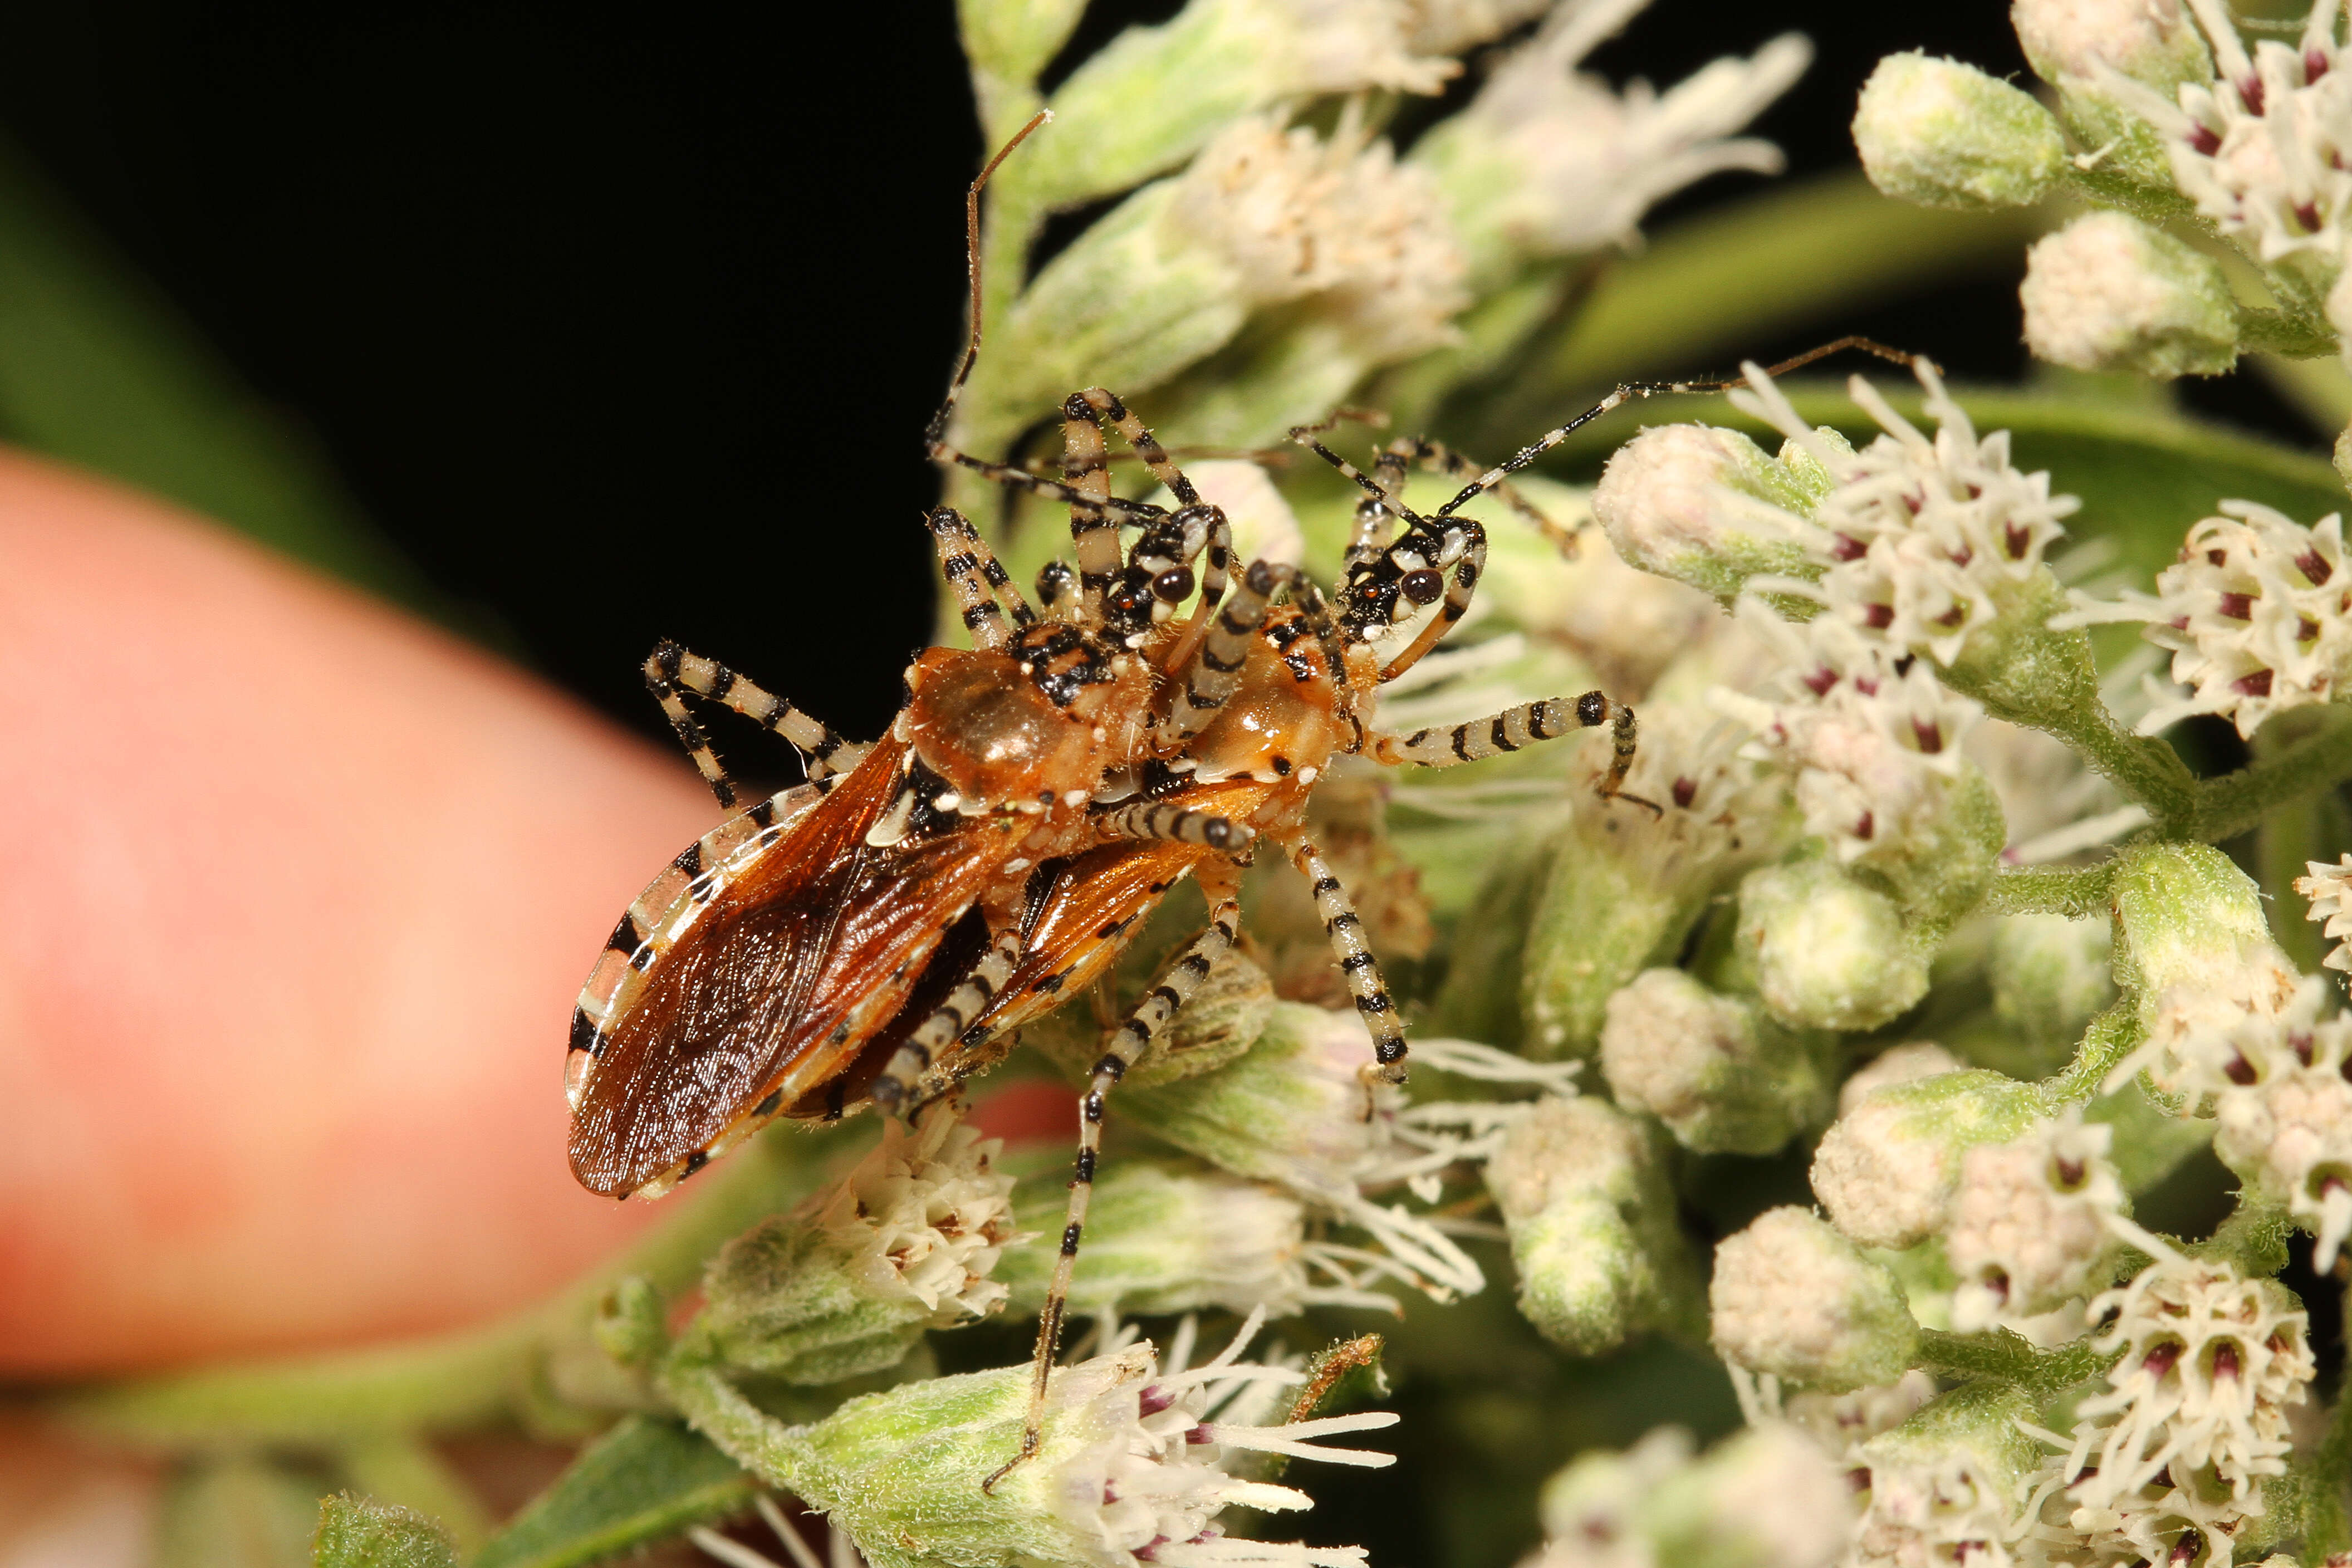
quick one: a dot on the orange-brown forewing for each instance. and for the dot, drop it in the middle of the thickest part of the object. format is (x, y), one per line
(799, 958)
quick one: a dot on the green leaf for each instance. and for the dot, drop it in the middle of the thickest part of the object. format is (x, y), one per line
(236, 1512)
(98, 369)
(644, 1480)
(354, 1533)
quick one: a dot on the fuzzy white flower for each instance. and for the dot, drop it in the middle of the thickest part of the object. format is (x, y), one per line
(1547, 161)
(2261, 148)
(1944, 1488)
(1922, 539)
(2071, 40)
(2207, 1037)
(2257, 613)
(1296, 215)
(2029, 1225)
(1871, 735)
(2108, 292)
(2329, 889)
(2290, 1131)
(1889, 1170)
(929, 1214)
(2195, 1414)
(1766, 1498)
(1841, 1423)
(1708, 1066)
(1793, 1297)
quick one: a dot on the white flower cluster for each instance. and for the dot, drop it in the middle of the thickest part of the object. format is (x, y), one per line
(2329, 889)
(2194, 1416)
(1296, 214)
(2211, 1034)
(1911, 545)
(1768, 1498)
(2290, 1130)
(2029, 1225)
(1547, 161)
(928, 1214)
(2257, 613)
(2260, 148)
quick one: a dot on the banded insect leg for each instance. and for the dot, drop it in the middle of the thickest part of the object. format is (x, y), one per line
(1444, 746)
(672, 674)
(978, 580)
(1220, 881)
(1438, 457)
(1345, 929)
(895, 1090)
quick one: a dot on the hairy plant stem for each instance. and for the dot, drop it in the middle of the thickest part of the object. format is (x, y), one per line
(2223, 807)
(2003, 1355)
(2076, 892)
(2111, 1036)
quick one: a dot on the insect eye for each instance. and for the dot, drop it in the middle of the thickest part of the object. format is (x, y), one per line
(1173, 584)
(1422, 587)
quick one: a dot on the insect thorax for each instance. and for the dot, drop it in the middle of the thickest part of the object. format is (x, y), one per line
(1026, 726)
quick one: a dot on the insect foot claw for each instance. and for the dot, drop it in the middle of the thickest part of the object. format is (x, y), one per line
(1028, 1451)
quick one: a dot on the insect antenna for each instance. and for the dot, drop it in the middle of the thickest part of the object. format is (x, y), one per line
(1626, 391)
(937, 429)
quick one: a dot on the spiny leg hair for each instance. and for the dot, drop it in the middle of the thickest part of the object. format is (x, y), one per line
(977, 578)
(896, 1088)
(1176, 986)
(1345, 929)
(672, 673)
(1514, 728)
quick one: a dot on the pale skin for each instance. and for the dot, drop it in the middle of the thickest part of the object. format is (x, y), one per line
(298, 894)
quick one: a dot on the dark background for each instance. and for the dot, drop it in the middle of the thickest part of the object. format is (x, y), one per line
(629, 330)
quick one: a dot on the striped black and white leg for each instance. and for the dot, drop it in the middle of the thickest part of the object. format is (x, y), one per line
(1126, 1048)
(1437, 457)
(1514, 728)
(672, 674)
(894, 1091)
(978, 580)
(1345, 929)
(1168, 821)
(1215, 667)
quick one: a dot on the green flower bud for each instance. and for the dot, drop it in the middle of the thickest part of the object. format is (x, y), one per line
(2072, 44)
(1130, 1459)
(847, 1283)
(2185, 915)
(357, 1532)
(1828, 952)
(2051, 975)
(1162, 1240)
(630, 1323)
(1154, 96)
(1708, 507)
(1793, 1298)
(1601, 1259)
(1723, 1079)
(2109, 293)
(1945, 134)
(1888, 1170)
(1951, 1475)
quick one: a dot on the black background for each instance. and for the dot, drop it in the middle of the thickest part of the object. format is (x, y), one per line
(629, 327)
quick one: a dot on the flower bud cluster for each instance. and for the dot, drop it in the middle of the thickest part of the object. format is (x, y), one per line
(1767, 1497)
(2257, 613)
(1723, 1078)
(1889, 1171)
(2029, 1227)
(2289, 1131)
(2195, 1414)
(1947, 1485)
(2108, 292)
(1583, 1189)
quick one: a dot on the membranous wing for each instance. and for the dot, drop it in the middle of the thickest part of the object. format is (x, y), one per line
(758, 977)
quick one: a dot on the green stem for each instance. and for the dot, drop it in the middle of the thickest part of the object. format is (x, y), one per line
(739, 1428)
(2223, 807)
(2111, 1036)
(2143, 767)
(2253, 1240)
(2077, 893)
(2003, 1355)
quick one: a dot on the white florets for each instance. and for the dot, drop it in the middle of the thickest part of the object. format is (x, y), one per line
(928, 1214)
(2329, 889)
(1590, 162)
(1344, 46)
(2195, 1414)
(1149, 1484)
(2289, 1132)
(1793, 1298)
(2147, 40)
(1296, 215)
(2210, 1035)
(2257, 613)
(2029, 1225)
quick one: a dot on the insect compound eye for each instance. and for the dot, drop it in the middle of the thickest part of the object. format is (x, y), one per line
(1423, 587)
(1173, 585)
